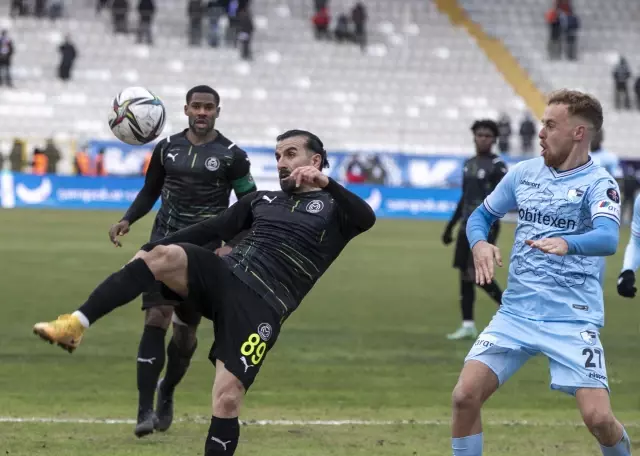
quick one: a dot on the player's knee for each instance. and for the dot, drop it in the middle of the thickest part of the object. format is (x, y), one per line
(599, 422)
(227, 401)
(465, 398)
(184, 338)
(162, 259)
(159, 317)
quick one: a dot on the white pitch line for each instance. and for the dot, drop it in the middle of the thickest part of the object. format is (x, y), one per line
(524, 423)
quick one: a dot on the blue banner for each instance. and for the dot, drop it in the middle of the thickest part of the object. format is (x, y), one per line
(117, 193)
(401, 170)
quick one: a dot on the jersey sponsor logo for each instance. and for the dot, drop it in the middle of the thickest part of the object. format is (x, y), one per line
(265, 331)
(481, 173)
(530, 184)
(315, 206)
(212, 164)
(589, 337)
(613, 195)
(555, 221)
(607, 207)
(574, 195)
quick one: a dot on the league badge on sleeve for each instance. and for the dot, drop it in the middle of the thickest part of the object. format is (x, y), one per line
(613, 195)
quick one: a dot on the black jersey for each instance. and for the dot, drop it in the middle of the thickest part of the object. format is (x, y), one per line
(481, 175)
(292, 239)
(195, 182)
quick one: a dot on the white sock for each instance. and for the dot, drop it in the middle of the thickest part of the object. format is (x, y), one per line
(80, 316)
(468, 324)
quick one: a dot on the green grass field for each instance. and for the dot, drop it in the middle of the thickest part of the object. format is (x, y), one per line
(367, 344)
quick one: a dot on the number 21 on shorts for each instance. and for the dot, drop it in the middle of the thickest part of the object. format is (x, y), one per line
(254, 347)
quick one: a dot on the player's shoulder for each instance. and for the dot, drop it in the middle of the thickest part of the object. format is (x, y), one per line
(528, 167)
(171, 140)
(599, 173)
(230, 145)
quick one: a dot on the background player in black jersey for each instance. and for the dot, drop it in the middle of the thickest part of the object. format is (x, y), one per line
(194, 172)
(481, 174)
(294, 236)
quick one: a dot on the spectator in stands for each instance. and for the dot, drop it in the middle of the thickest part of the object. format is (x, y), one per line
(570, 26)
(196, 14)
(231, 35)
(504, 134)
(18, 8)
(320, 5)
(53, 156)
(56, 9)
(636, 89)
(216, 10)
(101, 169)
(120, 12)
(621, 76)
(146, 10)
(375, 171)
(6, 52)
(82, 163)
(630, 186)
(359, 18)
(40, 162)
(356, 172)
(342, 31)
(40, 8)
(554, 45)
(16, 157)
(101, 4)
(245, 33)
(321, 22)
(68, 56)
(527, 133)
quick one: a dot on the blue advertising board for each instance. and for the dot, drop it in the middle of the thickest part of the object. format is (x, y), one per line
(116, 193)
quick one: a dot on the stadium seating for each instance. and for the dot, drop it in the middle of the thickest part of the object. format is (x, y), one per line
(606, 33)
(418, 87)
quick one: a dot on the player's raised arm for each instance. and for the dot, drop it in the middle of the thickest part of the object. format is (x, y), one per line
(145, 199)
(224, 226)
(627, 278)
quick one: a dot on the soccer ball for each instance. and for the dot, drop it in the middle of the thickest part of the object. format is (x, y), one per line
(137, 116)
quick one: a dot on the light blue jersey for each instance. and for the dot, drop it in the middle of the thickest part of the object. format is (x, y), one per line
(608, 160)
(632, 253)
(551, 203)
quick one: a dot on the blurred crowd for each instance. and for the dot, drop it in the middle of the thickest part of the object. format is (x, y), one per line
(563, 24)
(346, 28)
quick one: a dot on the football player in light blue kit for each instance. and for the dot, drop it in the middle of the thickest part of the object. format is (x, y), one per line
(602, 157)
(568, 220)
(627, 278)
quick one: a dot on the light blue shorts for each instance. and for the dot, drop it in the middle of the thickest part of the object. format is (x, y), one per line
(576, 357)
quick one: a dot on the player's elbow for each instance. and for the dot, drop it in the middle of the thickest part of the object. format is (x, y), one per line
(610, 244)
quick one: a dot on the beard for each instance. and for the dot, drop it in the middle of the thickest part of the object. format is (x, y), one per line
(200, 130)
(555, 160)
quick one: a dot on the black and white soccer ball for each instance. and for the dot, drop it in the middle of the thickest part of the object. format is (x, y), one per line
(137, 116)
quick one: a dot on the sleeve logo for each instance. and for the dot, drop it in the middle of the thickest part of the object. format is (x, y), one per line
(613, 195)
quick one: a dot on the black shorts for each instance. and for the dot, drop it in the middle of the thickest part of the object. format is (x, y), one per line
(245, 326)
(154, 297)
(462, 258)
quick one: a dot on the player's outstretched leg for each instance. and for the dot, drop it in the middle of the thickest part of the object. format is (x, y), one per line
(150, 362)
(476, 384)
(224, 430)
(164, 263)
(467, 297)
(595, 407)
(181, 348)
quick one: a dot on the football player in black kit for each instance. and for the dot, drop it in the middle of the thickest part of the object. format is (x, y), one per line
(194, 172)
(481, 174)
(293, 237)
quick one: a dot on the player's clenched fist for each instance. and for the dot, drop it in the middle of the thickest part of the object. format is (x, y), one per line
(627, 284)
(119, 229)
(485, 256)
(309, 175)
(555, 246)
